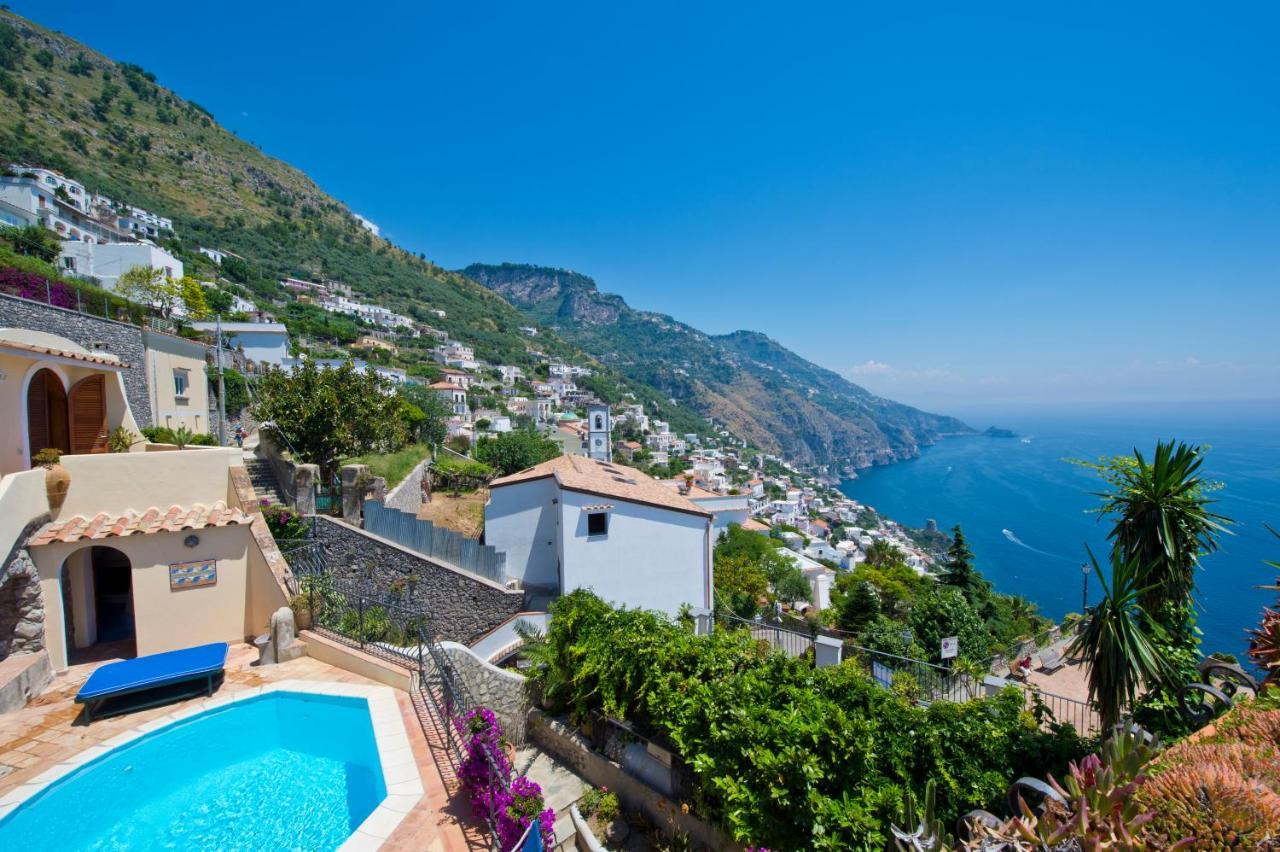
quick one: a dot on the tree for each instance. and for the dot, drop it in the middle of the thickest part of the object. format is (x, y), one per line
(33, 241)
(1115, 644)
(433, 427)
(1163, 525)
(149, 286)
(854, 602)
(324, 415)
(516, 450)
(882, 552)
(193, 298)
(939, 612)
(791, 586)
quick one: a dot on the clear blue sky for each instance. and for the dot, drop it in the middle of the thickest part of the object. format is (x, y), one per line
(951, 203)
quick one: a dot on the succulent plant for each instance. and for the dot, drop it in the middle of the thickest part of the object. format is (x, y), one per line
(1215, 805)
(1264, 646)
(925, 831)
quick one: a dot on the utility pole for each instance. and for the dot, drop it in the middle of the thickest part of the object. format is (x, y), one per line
(222, 392)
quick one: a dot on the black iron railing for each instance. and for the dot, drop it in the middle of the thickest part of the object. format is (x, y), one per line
(350, 611)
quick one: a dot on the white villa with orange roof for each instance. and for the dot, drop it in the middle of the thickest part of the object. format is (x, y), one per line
(574, 522)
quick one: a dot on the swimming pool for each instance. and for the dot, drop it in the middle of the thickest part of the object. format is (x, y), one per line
(279, 770)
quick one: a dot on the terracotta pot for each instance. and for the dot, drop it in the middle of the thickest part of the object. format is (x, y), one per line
(57, 481)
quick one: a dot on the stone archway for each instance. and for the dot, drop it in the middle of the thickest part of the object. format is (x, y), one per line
(21, 607)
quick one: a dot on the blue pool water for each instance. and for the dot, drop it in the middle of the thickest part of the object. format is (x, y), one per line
(281, 771)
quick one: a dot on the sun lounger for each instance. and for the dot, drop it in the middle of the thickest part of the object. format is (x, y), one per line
(196, 668)
(1051, 660)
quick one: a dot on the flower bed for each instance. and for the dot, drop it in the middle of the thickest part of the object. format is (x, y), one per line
(510, 805)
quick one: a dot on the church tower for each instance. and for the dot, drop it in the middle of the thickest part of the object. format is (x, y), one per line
(599, 442)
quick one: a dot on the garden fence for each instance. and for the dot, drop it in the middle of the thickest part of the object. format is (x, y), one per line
(435, 542)
(1066, 711)
(925, 681)
(793, 643)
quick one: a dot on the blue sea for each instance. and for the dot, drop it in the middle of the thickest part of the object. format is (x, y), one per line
(1026, 510)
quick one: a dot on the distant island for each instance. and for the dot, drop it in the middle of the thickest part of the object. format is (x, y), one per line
(993, 432)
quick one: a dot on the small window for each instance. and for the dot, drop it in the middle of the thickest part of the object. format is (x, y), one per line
(598, 524)
(180, 382)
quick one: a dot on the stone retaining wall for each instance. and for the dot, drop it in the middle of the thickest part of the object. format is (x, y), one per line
(462, 606)
(571, 748)
(407, 495)
(21, 603)
(90, 332)
(503, 691)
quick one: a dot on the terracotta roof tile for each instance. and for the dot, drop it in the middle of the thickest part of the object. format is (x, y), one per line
(173, 519)
(87, 357)
(579, 473)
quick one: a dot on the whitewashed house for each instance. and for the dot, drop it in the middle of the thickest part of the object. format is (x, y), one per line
(262, 342)
(575, 522)
(108, 261)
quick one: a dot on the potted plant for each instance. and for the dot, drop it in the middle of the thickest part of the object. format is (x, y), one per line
(57, 480)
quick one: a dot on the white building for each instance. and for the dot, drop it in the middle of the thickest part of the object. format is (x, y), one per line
(599, 428)
(575, 522)
(262, 342)
(108, 261)
(454, 396)
(141, 223)
(41, 197)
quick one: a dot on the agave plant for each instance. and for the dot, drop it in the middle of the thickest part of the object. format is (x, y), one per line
(1214, 804)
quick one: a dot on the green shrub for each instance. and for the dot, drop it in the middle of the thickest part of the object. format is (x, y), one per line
(784, 755)
(459, 476)
(598, 802)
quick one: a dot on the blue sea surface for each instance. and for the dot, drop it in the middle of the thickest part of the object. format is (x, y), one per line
(1027, 512)
(281, 771)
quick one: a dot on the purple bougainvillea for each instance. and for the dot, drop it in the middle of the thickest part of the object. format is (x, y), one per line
(37, 288)
(511, 805)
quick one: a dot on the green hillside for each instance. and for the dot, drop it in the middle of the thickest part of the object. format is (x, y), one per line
(762, 391)
(113, 127)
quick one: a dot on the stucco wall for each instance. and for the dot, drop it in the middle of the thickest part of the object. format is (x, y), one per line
(651, 558)
(521, 522)
(117, 482)
(118, 338)
(165, 620)
(165, 354)
(462, 606)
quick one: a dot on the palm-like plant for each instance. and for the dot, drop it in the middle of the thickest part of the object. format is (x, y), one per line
(1116, 644)
(1163, 520)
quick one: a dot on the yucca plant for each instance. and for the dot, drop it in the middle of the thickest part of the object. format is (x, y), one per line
(1116, 644)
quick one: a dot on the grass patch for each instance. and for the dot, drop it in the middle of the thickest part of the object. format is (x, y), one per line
(393, 467)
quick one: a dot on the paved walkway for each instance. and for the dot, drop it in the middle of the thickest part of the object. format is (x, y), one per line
(50, 729)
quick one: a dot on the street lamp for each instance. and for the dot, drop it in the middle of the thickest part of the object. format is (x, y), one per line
(1084, 572)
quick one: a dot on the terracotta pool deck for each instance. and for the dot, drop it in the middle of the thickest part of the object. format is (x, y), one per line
(51, 729)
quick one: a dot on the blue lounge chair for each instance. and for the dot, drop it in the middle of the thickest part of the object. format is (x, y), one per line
(200, 666)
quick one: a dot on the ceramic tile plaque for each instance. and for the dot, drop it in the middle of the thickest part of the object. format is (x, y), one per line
(192, 575)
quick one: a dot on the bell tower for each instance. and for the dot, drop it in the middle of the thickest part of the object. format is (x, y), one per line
(599, 442)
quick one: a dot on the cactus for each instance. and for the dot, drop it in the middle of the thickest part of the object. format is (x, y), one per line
(927, 833)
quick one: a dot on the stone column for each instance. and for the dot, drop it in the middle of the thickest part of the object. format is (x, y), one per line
(305, 479)
(353, 477)
(827, 651)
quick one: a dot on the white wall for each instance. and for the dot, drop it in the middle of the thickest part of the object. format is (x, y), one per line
(652, 558)
(108, 261)
(521, 521)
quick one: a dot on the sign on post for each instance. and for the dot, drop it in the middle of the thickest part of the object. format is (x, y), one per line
(950, 647)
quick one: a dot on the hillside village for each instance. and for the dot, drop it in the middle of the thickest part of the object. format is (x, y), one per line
(397, 559)
(100, 241)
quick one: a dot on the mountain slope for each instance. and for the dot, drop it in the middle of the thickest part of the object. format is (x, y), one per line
(112, 127)
(758, 388)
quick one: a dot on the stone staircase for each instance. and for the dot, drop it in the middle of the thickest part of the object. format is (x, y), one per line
(263, 479)
(560, 789)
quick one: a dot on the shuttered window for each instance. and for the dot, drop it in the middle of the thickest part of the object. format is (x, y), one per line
(89, 415)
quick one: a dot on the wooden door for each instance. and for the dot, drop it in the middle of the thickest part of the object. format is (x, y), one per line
(89, 415)
(47, 413)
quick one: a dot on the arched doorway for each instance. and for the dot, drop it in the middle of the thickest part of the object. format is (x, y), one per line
(97, 594)
(47, 413)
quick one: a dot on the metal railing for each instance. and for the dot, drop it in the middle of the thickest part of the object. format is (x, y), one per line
(349, 612)
(791, 642)
(926, 682)
(1050, 707)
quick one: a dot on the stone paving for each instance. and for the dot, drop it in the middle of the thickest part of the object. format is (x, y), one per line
(51, 729)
